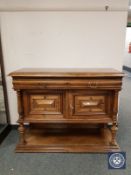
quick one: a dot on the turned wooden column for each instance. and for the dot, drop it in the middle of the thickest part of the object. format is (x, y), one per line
(21, 127)
(114, 127)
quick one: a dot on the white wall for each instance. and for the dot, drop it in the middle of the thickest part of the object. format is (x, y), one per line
(127, 56)
(9, 5)
(61, 39)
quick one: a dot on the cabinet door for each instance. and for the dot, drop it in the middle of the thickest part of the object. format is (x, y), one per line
(84, 104)
(43, 104)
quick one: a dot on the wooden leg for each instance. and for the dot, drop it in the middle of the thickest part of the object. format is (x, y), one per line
(114, 129)
(21, 130)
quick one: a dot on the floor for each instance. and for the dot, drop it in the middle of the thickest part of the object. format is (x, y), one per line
(70, 164)
(2, 110)
(1, 127)
(2, 106)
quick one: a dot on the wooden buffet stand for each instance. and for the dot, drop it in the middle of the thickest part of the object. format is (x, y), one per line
(68, 110)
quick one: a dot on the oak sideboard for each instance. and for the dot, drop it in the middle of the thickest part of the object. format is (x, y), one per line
(67, 110)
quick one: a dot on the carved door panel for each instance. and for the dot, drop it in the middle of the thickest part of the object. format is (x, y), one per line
(89, 103)
(44, 104)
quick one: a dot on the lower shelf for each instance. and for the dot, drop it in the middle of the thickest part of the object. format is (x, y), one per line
(95, 140)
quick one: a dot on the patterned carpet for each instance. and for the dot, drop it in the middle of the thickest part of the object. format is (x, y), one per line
(70, 164)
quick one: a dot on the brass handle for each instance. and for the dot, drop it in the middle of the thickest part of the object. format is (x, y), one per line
(92, 84)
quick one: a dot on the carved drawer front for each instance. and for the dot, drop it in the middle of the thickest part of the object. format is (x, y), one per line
(47, 104)
(84, 103)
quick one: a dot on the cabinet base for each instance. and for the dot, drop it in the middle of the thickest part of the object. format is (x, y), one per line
(66, 149)
(95, 140)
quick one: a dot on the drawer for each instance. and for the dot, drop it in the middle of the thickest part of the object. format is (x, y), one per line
(43, 104)
(89, 103)
(66, 83)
